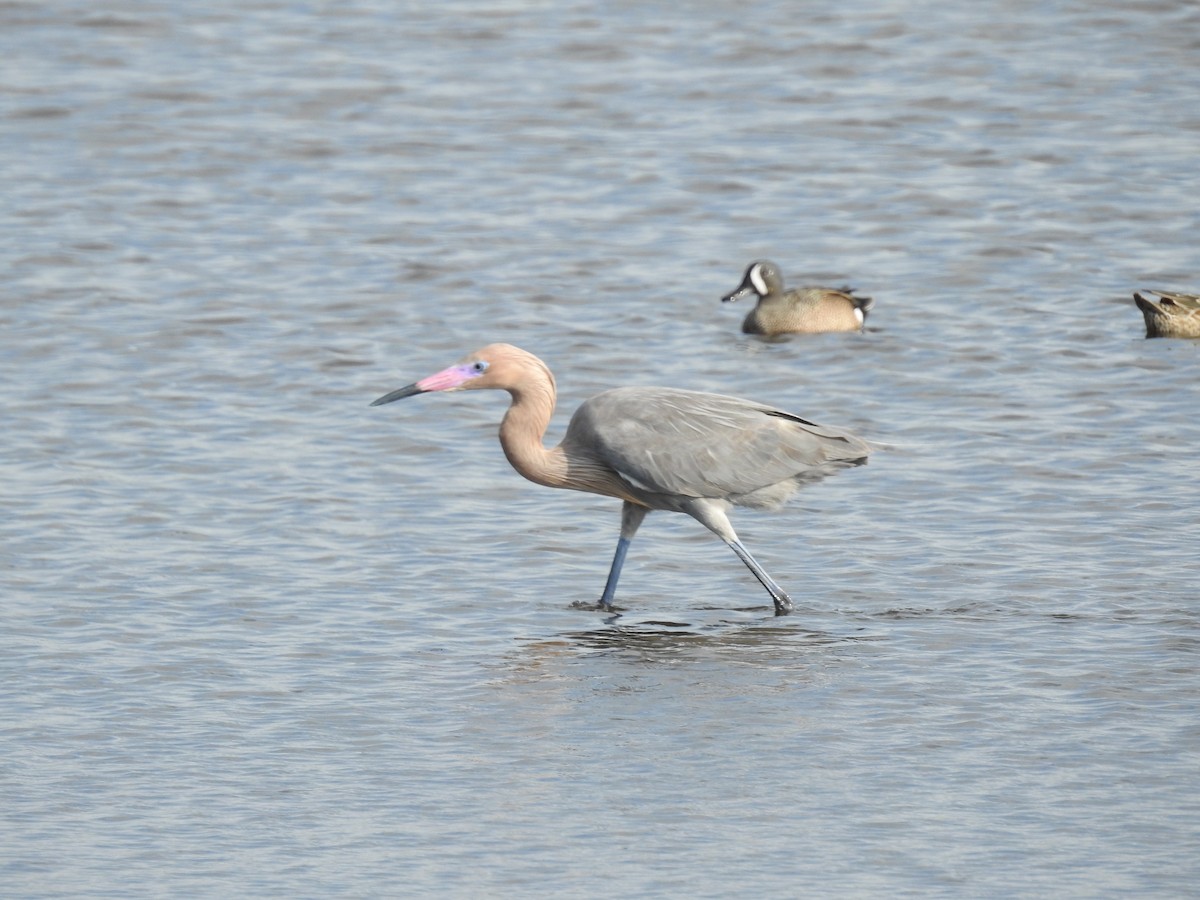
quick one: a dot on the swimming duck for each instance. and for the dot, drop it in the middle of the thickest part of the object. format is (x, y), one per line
(803, 310)
(1174, 315)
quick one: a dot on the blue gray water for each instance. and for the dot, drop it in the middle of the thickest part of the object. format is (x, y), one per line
(259, 639)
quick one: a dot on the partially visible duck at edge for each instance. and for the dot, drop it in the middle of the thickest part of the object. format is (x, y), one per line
(803, 310)
(1172, 315)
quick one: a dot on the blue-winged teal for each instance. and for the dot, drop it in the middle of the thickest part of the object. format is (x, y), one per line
(803, 310)
(1174, 315)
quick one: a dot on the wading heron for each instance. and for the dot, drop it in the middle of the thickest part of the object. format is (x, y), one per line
(653, 448)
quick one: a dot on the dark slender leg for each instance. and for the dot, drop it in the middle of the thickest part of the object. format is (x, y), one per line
(631, 517)
(610, 586)
(712, 514)
(783, 603)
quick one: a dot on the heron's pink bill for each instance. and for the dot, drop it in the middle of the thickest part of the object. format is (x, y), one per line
(449, 379)
(446, 380)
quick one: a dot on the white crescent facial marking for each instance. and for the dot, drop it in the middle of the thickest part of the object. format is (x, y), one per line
(756, 279)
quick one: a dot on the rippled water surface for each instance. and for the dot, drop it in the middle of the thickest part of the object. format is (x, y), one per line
(258, 638)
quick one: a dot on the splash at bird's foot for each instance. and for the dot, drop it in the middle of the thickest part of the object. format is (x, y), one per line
(783, 605)
(598, 606)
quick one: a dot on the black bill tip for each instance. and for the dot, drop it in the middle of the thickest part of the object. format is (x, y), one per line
(398, 394)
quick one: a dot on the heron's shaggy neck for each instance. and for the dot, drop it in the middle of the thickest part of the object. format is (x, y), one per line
(523, 428)
(565, 466)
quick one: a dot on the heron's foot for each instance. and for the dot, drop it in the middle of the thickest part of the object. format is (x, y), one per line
(783, 605)
(598, 606)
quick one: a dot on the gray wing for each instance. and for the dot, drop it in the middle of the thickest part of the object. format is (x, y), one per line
(704, 445)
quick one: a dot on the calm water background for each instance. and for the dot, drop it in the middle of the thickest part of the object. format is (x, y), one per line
(259, 639)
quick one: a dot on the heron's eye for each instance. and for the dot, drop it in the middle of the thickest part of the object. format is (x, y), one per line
(479, 366)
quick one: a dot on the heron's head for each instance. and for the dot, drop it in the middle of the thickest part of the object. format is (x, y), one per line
(500, 366)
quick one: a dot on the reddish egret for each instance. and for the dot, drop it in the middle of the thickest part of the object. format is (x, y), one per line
(653, 448)
(804, 310)
(1173, 315)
